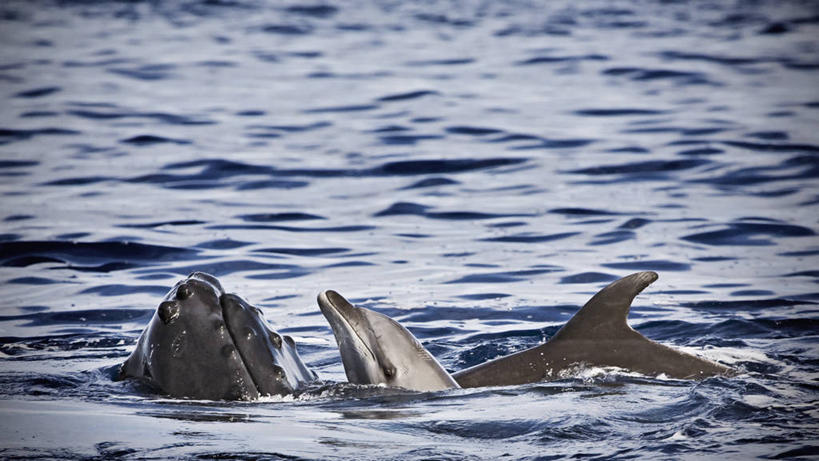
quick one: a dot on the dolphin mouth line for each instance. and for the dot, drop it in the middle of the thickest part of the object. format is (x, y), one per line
(347, 324)
(237, 348)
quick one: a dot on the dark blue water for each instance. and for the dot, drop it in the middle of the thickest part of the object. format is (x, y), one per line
(474, 169)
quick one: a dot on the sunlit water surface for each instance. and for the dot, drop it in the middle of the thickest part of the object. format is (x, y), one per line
(477, 170)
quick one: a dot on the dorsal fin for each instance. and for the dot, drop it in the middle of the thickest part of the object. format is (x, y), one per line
(604, 316)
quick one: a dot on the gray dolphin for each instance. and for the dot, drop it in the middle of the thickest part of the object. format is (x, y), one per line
(206, 344)
(597, 335)
(376, 349)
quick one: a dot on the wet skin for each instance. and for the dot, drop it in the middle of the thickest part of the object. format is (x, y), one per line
(598, 335)
(204, 343)
(376, 349)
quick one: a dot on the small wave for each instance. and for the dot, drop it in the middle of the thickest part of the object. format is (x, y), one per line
(650, 166)
(38, 92)
(701, 151)
(748, 234)
(153, 225)
(441, 62)
(291, 128)
(30, 252)
(684, 131)
(286, 29)
(334, 109)
(414, 167)
(654, 265)
(588, 277)
(169, 119)
(544, 143)
(640, 74)
(222, 268)
(717, 59)
(279, 217)
(582, 212)
(33, 281)
(13, 164)
(407, 139)
(774, 147)
(407, 96)
(530, 238)
(150, 139)
(472, 130)
(122, 290)
(502, 277)
(747, 305)
(77, 181)
(561, 59)
(80, 317)
(769, 135)
(608, 238)
(315, 11)
(148, 72)
(794, 168)
(431, 182)
(304, 251)
(407, 208)
(328, 229)
(8, 135)
(618, 112)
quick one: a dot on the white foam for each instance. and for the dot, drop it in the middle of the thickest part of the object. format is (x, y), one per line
(678, 436)
(729, 355)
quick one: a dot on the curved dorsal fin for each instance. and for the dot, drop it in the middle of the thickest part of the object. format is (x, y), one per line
(604, 316)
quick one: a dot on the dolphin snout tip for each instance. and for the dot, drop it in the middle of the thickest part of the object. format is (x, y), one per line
(324, 303)
(329, 296)
(332, 304)
(322, 297)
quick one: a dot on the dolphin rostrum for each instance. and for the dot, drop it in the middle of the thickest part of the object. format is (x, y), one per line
(376, 349)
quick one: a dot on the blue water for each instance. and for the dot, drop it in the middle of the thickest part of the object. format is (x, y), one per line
(476, 170)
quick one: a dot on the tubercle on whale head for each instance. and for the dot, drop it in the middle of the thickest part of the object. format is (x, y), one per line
(168, 311)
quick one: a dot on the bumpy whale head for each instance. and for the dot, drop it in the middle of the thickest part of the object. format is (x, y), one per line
(203, 343)
(376, 349)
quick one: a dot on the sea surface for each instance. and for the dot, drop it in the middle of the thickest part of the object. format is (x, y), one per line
(474, 169)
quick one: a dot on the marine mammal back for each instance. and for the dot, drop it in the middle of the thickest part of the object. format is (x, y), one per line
(599, 335)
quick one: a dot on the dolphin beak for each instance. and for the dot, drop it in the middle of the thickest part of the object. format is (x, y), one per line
(333, 304)
(345, 320)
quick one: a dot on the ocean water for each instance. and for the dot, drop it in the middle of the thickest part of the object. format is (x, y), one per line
(474, 169)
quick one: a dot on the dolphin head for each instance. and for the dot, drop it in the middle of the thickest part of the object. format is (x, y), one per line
(203, 343)
(376, 349)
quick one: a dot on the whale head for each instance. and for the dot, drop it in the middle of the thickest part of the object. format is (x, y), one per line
(206, 344)
(376, 349)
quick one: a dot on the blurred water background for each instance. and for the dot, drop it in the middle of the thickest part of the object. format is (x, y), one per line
(475, 169)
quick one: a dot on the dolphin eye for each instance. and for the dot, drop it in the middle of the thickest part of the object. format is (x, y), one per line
(389, 372)
(184, 292)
